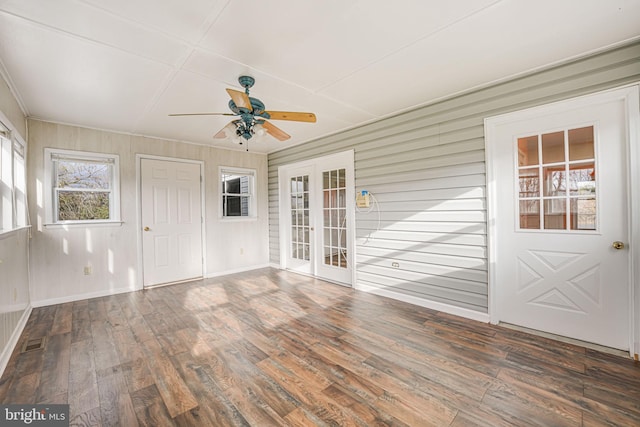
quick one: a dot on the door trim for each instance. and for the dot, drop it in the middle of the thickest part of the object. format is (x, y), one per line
(140, 263)
(283, 201)
(631, 96)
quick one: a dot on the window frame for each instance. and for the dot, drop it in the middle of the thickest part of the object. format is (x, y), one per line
(251, 195)
(51, 155)
(12, 148)
(554, 200)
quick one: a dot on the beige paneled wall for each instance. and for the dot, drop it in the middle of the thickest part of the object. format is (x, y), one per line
(14, 272)
(14, 290)
(59, 254)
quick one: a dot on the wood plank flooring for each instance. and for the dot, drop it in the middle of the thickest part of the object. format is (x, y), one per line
(270, 347)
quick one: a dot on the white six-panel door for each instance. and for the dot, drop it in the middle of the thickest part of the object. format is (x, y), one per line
(171, 220)
(559, 219)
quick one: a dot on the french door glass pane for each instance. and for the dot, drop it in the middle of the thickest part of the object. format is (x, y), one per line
(334, 223)
(300, 217)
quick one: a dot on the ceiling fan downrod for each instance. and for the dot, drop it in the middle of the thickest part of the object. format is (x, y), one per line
(246, 82)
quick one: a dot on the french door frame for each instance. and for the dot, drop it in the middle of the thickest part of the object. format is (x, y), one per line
(631, 96)
(344, 160)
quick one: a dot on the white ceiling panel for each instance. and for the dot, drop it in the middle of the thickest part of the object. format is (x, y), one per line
(85, 21)
(187, 93)
(185, 19)
(125, 65)
(74, 81)
(306, 49)
(462, 57)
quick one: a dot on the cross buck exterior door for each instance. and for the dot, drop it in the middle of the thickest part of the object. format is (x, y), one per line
(557, 184)
(171, 220)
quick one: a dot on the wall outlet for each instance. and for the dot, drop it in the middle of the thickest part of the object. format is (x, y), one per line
(88, 270)
(395, 264)
(241, 251)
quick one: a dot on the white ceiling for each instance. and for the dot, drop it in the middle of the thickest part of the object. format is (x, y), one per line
(124, 65)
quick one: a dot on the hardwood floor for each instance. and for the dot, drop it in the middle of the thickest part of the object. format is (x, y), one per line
(274, 348)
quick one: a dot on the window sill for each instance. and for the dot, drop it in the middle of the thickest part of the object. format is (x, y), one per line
(76, 224)
(8, 233)
(238, 218)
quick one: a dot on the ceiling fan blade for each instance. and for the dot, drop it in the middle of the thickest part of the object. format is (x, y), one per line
(275, 131)
(202, 114)
(292, 115)
(240, 98)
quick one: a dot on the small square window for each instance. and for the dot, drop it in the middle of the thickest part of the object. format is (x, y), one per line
(237, 189)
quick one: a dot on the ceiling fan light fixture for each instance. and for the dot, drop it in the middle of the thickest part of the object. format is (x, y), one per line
(229, 130)
(258, 129)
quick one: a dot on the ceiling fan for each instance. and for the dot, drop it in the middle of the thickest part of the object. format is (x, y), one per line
(252, 116)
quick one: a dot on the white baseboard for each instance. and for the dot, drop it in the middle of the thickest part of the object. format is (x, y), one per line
(276, 266)
(79, 297)
(13, 341)
(236, 270)
(445, 308)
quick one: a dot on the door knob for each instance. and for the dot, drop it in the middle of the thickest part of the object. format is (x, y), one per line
(618, 245)
(147, 229)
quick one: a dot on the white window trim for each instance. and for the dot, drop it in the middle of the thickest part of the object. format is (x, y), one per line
(50, 206)
(252, 194)
(13, 143)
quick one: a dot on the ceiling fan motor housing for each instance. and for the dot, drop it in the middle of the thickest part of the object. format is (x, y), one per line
(246, 82)
(256, 105)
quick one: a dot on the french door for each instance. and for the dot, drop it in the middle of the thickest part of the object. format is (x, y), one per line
(317, 216)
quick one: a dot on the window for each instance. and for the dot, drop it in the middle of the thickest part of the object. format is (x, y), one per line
(13, 198)
(237, 189)
(557, 180)
(83, 187)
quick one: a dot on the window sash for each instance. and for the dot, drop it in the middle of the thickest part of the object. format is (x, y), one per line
(244, 193)
(20, 213)
(7, 214)
(54, 158)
